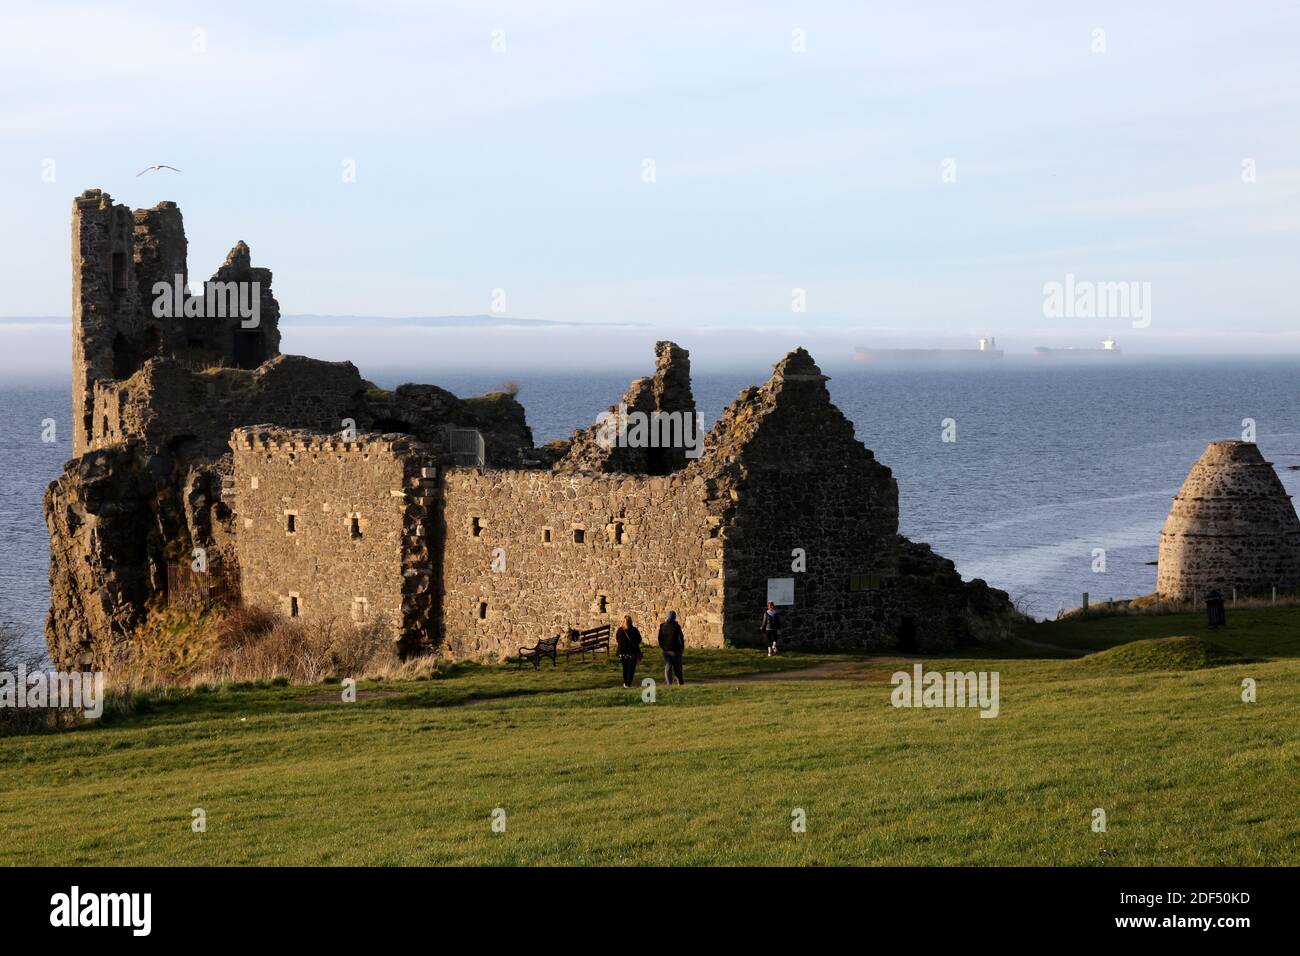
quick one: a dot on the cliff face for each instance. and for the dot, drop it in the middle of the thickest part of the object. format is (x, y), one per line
(109, 515)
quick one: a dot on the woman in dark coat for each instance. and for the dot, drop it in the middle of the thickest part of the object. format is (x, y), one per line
(771, 627)
(629, 649)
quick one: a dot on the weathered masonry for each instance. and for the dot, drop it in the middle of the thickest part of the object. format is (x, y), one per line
(347, 503)
(477, 562)
(528, 553)
(335, 530)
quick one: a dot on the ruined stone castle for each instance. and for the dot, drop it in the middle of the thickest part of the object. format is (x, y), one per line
(1231, 526)
(309, 490)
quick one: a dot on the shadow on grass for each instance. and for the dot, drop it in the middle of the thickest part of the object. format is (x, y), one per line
(1251, 632)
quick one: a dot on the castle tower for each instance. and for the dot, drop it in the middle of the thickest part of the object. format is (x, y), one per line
(1232, 525)
(119, 257)
(103, 291)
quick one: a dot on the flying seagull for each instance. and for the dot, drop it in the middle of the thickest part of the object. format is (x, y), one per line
(149, 169)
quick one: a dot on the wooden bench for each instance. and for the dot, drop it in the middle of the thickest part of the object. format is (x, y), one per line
(534, 654)
(591, 641)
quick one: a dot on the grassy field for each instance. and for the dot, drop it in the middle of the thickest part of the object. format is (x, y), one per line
(1155, 734)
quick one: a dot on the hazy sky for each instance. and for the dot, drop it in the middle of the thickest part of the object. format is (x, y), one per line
(523, 168)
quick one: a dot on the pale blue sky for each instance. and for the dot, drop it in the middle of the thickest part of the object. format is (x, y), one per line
(776, 170)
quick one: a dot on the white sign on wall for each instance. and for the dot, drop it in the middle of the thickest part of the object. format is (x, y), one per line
(780, 591)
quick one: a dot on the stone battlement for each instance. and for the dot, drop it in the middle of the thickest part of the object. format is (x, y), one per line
(273, 440)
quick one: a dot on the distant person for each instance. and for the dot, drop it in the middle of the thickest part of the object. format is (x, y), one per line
(673, 643)
(1215, 610)
(771, 627)
(629, 649)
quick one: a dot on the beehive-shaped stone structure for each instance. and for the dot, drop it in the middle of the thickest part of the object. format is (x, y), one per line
(1232, 525)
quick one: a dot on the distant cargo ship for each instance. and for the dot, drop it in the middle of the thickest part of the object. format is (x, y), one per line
(1108, 348)
(987, 350)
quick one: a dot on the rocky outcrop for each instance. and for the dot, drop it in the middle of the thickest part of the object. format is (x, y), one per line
(111, 518)
(1231, 526)
(427, 411)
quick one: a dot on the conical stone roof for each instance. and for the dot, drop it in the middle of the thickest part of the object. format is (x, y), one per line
(1232, 525)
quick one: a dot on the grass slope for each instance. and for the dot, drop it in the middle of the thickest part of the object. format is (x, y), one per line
(708, 774)
(1254, 632)
(1164, 654)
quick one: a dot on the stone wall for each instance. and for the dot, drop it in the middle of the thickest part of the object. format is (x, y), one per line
(328, 530)
(167, 405)
(790, 475)
(1231, 525)
(649, 545)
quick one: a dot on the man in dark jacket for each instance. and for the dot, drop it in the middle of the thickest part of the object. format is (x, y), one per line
(672, 642)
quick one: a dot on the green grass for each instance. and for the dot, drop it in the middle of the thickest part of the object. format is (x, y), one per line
(1164, 654)
(708, 774)
(1252, 632)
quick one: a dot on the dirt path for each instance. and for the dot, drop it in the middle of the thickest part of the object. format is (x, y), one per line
(1056, 648)
(827, 670)
(875, 671)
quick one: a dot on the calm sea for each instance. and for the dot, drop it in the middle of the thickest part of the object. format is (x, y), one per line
(1050, 462)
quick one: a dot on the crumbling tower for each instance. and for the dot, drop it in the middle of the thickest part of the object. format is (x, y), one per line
(119, 257)
(665, 398)
(1232, 525)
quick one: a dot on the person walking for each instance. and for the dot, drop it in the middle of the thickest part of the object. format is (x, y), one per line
(1215, 608)
(673, 643)
(629, 649)
(771, 627)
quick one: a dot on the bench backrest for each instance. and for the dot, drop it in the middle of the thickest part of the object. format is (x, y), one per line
(602, 631)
